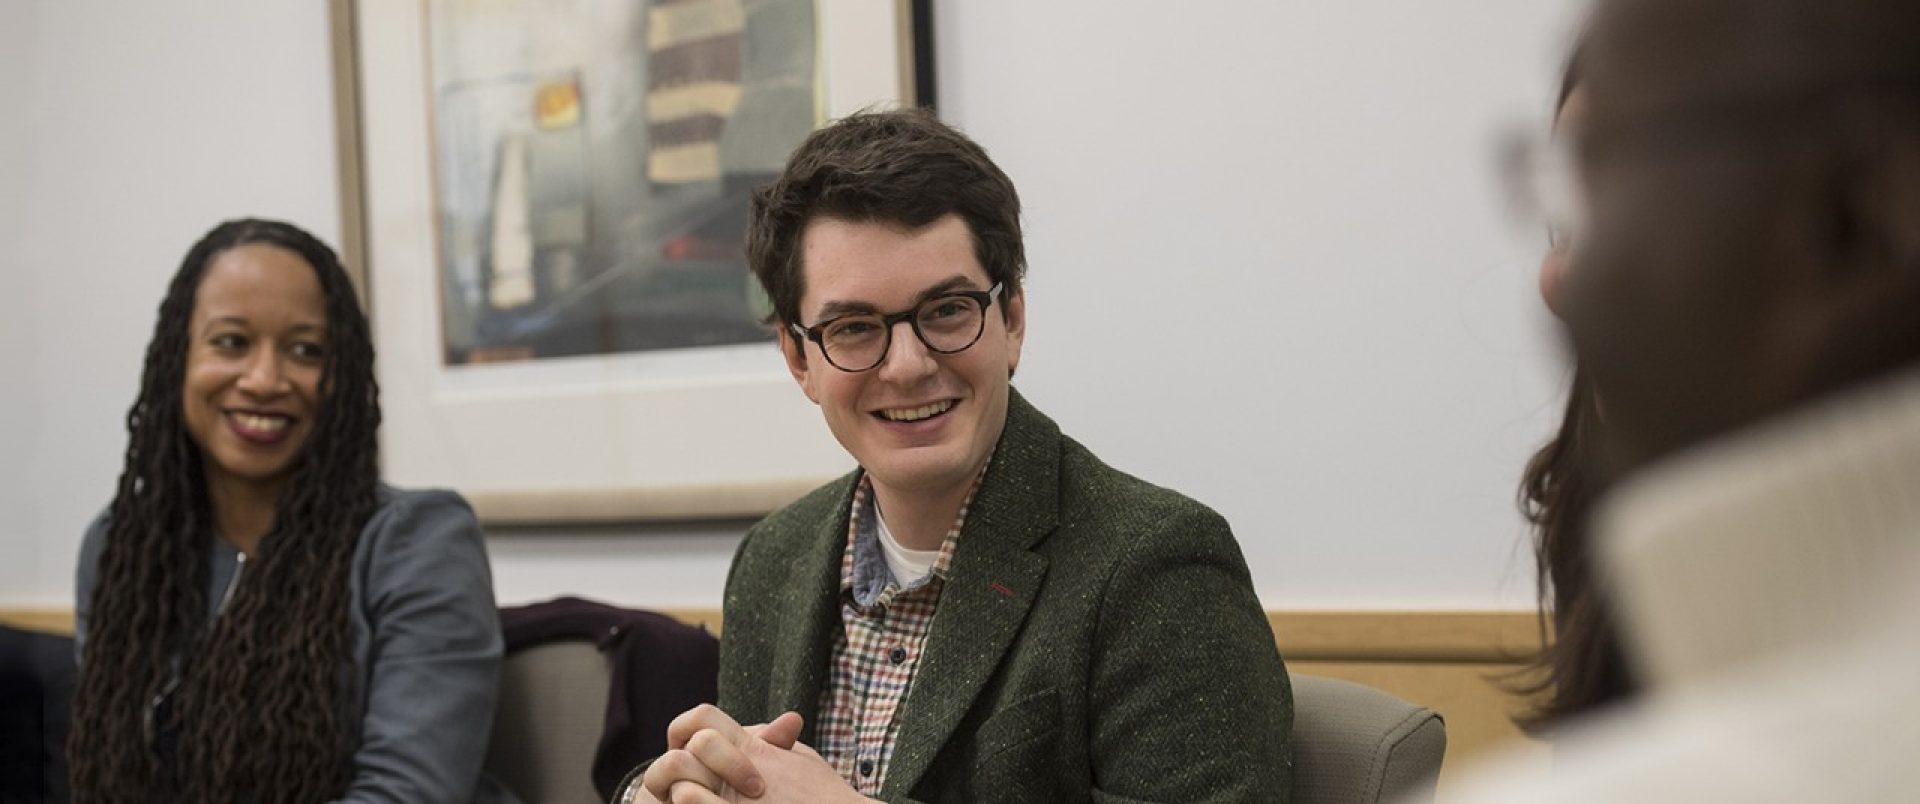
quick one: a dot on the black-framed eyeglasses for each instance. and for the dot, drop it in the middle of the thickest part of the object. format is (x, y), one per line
(947, 323)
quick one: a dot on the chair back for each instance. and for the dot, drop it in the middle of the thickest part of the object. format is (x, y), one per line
(553, 707)
(1353, 744)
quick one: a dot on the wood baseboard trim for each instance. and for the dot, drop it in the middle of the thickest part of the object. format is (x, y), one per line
(1498, 637)
(53, 621)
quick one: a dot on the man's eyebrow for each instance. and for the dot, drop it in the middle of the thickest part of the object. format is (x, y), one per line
(838, 308)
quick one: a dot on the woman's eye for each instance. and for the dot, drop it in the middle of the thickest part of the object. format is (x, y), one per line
(229, 341)
(308, 350)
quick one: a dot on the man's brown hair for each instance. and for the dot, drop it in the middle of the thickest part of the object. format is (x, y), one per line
(904, 168)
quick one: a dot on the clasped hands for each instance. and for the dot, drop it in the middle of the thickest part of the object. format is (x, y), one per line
(712, 759)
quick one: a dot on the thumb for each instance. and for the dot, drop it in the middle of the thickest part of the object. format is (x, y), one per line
(783, 731)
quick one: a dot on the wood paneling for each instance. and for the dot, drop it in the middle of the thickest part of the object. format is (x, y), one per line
(1407, 635)
(57, 621)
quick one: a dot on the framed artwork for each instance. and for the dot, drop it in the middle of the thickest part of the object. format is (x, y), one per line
(546, 201)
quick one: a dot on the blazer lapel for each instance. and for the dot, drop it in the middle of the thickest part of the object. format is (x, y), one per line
(810, 604)
(992, 582)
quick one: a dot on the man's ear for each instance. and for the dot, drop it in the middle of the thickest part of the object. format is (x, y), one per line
(795, 351)
(1014, 305)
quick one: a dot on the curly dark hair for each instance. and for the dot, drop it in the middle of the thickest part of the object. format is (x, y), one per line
(259, 712)
(901, 167)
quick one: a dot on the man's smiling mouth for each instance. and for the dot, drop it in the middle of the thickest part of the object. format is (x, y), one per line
(927, 411)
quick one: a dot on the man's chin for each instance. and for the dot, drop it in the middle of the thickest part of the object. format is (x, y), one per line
(919, 474)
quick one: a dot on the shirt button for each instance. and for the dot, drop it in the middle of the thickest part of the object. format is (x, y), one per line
(866, 767)
(897, 655)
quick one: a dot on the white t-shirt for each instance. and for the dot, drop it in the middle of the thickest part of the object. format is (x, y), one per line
(907, 566)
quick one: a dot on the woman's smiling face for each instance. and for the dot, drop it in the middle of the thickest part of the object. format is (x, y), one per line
(256, 356)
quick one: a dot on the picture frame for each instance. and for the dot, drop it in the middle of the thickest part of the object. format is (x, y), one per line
(667, 434)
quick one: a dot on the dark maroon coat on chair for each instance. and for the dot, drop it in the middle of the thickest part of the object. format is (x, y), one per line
(661, 667)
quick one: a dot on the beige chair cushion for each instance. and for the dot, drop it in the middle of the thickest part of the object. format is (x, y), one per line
(553, 707)
(1353, 744)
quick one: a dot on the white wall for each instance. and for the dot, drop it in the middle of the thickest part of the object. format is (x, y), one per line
(1268, 268)
(139, 126)
(19, 403)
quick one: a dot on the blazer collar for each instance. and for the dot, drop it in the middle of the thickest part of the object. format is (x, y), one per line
(1018, 501)
(810, 603)
(992, 582)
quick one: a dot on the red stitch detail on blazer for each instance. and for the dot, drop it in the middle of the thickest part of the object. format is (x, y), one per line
(1001, 588)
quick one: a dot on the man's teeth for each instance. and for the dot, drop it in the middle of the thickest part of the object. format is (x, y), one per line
(266, 424)
(916, 414)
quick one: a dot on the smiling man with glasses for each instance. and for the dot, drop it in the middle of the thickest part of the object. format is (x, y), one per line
(982, 611)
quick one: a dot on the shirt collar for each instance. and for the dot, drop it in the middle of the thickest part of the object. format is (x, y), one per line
(863, 568)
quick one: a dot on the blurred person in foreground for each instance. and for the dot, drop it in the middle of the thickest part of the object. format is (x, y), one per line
(1746, 290)
(983, 610)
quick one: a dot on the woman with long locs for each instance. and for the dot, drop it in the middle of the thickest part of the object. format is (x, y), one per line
(259, 618)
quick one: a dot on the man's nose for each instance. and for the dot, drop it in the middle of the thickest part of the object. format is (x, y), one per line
(908, 359)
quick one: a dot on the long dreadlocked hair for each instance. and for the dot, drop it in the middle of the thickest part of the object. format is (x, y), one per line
(259, 713)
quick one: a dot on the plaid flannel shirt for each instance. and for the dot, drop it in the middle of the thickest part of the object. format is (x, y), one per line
(874, 654)
(877, 651)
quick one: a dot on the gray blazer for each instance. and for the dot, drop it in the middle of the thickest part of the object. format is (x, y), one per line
(426, 641)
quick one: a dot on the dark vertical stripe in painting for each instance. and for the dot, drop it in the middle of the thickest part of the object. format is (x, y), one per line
(923, 85)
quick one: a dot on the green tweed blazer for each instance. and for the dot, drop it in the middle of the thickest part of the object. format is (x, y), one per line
(1130, 662)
